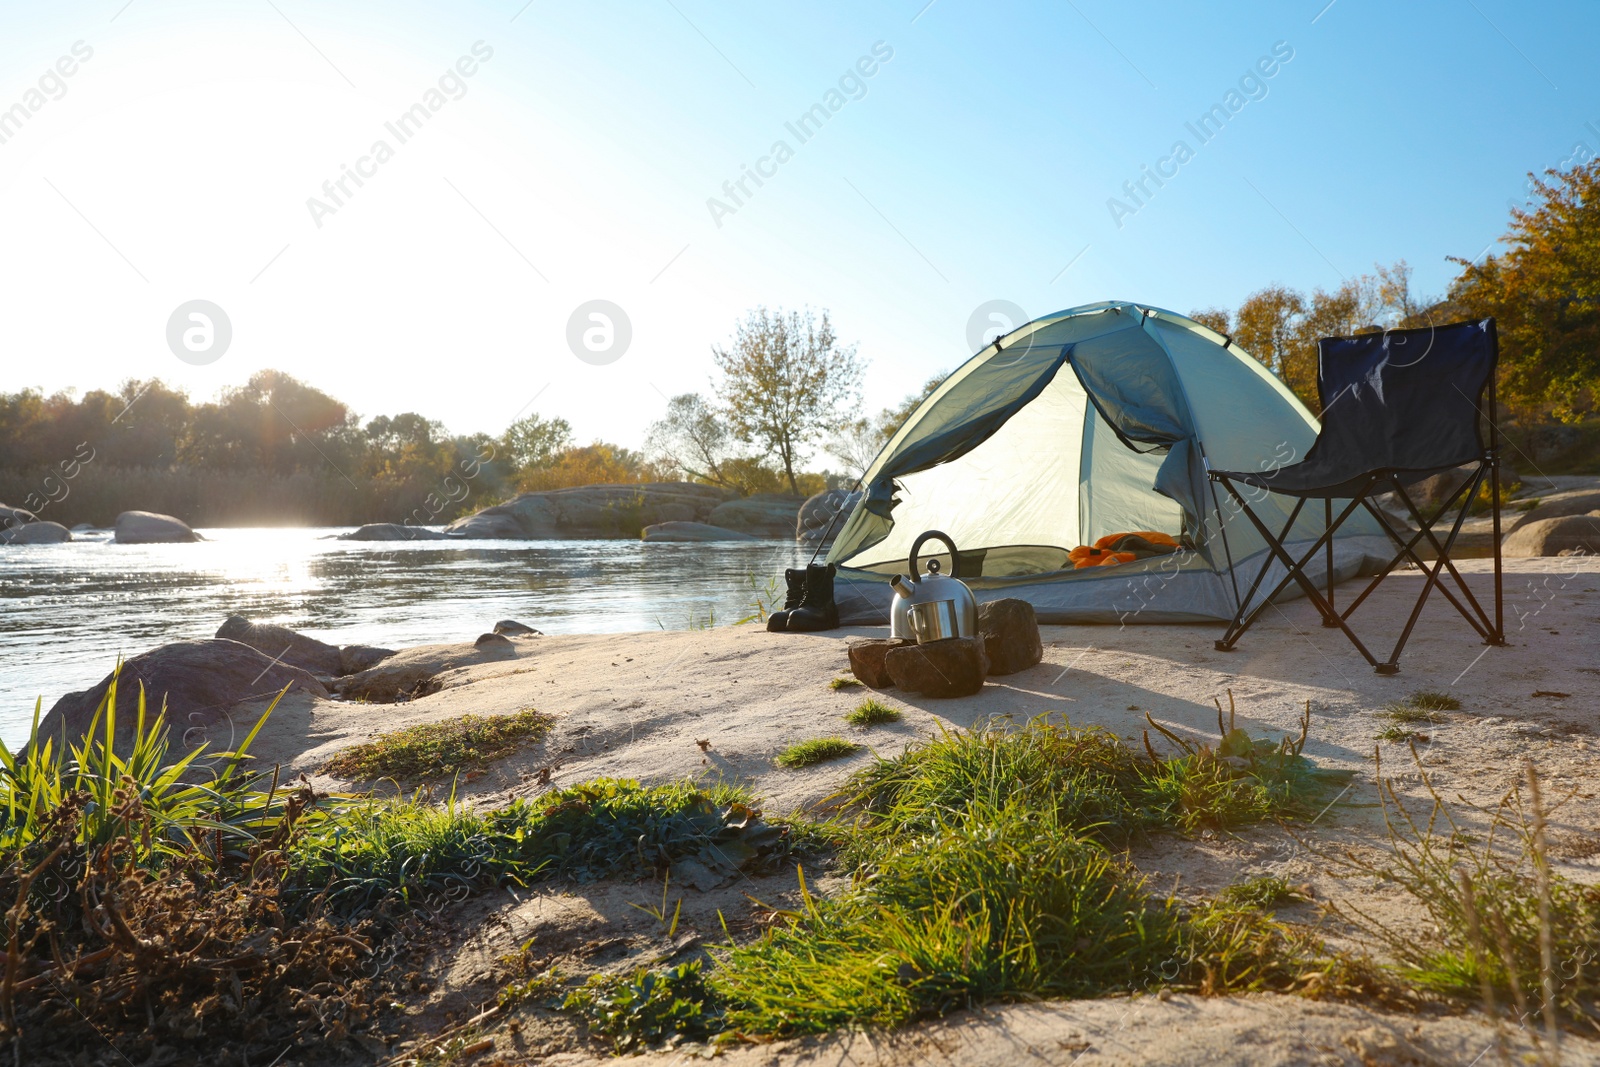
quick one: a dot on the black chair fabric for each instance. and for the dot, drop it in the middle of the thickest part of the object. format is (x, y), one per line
(1401, 401)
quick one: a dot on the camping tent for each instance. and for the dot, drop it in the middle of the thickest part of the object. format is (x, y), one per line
(1096, 420)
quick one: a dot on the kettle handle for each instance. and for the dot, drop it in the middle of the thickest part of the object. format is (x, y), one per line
(934, 535)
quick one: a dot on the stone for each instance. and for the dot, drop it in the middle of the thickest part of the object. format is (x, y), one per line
(353, 659)
(1569, 535)
(149, 528)
(284, 645)
(691, 531)
(866, 659)
(513, 628)
(197, 681)
(84, 527)
(593, 511)
(487, 527)
(35, 533)
(822, 516)
(954, 667)
(1429, 492)
(414, 672)
(10, 517)
(498, 642)
(1558, 506)
(393, 531)
(1010, 635)
(763, 515)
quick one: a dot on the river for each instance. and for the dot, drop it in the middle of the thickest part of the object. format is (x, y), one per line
(68, 611)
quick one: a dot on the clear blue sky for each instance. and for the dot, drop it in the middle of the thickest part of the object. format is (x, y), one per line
(976, 164)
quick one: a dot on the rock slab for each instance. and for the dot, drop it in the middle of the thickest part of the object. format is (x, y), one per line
(761, 515)
(149, 528)
(196, 681)
(691, 531)
(1571, 535)
(867, 660)
(284, 645)
(413, 672)
(1010, 635)
(35, 533)
(593, 511)
(954, 667)
(393, 531)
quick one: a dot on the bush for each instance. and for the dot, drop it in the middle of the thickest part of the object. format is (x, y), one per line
(872, 712)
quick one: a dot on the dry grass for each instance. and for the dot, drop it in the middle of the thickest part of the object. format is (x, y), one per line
(440, 749)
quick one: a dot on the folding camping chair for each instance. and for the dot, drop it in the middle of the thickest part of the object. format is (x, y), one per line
(1397, 407)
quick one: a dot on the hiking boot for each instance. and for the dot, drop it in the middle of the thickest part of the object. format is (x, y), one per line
(777, 622)
(817, 611)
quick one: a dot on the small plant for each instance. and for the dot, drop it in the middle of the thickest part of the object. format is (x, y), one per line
(815, 750)
(1405, 713)
(844, 682)
(766, 598)
(647, 1008)
(1396, 734)
(439, 749)
(1428, 700)
(1264, 893)
(872, 712)
(1505, 930)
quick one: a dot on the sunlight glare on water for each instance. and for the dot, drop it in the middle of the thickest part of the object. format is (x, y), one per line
(68, 611)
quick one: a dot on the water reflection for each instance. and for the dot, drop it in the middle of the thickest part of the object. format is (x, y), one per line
(68, 611)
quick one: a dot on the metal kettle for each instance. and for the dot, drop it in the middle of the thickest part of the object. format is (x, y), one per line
(932, 606)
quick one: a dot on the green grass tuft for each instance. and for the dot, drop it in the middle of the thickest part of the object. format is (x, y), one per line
(816, 750)
(1263, 893)
(439, 749)
(1428, 700)
(872, 712)
(1395, 734)
(844, 683)
(374, 852)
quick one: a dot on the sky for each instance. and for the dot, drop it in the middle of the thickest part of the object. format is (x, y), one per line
(571, 160)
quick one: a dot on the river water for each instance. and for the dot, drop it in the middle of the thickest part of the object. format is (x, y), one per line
(68, 611)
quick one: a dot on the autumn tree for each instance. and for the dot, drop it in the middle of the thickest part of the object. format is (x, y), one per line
(786, 383)
(1544, 292)
(533, 443)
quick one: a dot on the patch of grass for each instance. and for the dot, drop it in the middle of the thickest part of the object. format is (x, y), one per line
(1405, 713)
(844, 682)
(1506, 930)
(1428, 700)
(1263, 893)
(1396, 734)
(816, 750)
(872, 712)
(1094, 781)
(440, 749)
(412, 851)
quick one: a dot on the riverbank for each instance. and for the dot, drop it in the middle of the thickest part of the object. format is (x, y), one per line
(723, 704)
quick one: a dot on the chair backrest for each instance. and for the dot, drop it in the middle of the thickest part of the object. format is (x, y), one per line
(1407, 400)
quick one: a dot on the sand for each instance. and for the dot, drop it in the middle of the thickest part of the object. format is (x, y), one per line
(640, 706)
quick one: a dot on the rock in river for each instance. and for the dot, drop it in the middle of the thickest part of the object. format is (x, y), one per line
(197, 681)
(691, 531)
(393, 531)
(35, 533)
(148, 528)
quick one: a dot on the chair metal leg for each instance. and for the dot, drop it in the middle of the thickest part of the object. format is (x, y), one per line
(1327, 512)
(1297, 571)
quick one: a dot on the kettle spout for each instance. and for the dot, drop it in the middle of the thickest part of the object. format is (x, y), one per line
(898, 584)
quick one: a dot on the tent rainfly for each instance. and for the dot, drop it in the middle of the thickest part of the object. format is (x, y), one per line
(1097, 420)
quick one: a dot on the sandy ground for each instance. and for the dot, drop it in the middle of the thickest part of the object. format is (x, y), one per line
(638, 705)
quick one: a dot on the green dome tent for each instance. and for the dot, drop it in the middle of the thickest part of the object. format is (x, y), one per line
(1097, 420)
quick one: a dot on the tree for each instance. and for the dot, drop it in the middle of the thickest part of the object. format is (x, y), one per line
(1544, 292)
(691, 439)
(786, 381)
(1265, 325)
(1215, 318)
(533, 443)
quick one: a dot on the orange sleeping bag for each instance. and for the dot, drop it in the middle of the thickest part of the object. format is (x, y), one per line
(1122, 548)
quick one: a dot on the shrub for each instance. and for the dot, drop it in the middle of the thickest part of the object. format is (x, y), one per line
(844, 682)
